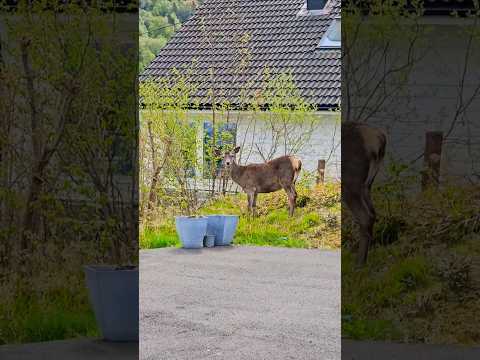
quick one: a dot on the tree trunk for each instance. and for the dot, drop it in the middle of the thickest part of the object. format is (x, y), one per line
(30, 220)
(152, 197)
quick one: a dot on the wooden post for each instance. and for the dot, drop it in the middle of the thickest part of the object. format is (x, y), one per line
(432, 158)
(321, 171)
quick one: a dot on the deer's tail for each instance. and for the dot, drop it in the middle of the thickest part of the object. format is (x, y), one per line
(378, 157)
(297, 167)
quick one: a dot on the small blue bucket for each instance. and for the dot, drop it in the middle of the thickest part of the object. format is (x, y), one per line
(223, 227)
(191, 231)
(209, 241)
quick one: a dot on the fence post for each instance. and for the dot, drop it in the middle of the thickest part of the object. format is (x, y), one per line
(321, 171)
(432, 159)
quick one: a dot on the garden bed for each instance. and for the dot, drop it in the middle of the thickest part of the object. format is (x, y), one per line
(316, 223)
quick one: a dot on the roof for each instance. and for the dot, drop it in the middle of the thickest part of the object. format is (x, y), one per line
(279, 38)
(430, 7)
(446, 7)
(122, 6)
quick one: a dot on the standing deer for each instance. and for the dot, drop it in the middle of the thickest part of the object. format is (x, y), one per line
(363, 149)
(276, 174)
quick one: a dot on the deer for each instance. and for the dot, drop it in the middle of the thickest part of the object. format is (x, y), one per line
(271, 176)
(363, 150)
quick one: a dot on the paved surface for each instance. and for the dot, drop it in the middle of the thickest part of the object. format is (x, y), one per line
(370, 350)
(239, 303)
(81, 349)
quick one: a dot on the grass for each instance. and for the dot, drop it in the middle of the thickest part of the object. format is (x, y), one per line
(421, 281)
(38, 317)
(163, 236)
(316, 223)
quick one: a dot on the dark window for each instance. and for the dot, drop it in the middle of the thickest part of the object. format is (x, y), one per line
(316, 4)
(225, 138)
(122, 155)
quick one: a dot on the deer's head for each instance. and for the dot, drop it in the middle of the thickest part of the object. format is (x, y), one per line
(230, 157)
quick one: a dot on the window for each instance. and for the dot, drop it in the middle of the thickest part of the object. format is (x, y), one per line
(122, 155)
(316, 4)
(225, 137)
(316, 8)
(332, 39)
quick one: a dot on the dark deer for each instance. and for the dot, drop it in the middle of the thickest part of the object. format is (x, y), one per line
(273, 175)
(363, 149)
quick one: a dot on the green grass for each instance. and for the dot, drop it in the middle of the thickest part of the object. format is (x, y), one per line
(164, 236)
(313, 225)
(420, 283)
(53, 316)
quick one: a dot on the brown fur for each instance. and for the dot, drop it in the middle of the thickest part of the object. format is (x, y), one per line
(279, 173)
(363, 150)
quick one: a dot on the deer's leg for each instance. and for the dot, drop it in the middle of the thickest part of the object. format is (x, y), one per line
(250, 202)
(367, 199)
(292, 196)
(254, 204)
(358, 202)
(294, 199)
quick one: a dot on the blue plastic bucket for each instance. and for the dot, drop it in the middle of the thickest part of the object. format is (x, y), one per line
(223, 227)
(191, 231)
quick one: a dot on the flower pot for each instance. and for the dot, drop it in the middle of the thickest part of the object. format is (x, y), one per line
(114, 297)
(191, 231)
(223, 227)
(209, 241)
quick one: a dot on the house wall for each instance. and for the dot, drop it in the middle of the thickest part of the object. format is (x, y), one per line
(254, 134)
(430, 101)
(320, 136)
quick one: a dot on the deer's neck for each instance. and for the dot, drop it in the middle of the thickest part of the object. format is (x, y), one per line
(236, 172)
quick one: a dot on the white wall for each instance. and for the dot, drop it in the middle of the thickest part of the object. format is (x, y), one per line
(322, 137)
(431, 98)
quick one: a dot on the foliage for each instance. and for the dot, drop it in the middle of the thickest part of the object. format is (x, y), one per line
(57, 314)
(313, 226)
(159, 19)
(68, 119)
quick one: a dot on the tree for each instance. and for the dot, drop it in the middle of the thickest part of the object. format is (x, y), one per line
(65, 88)
(158, 22)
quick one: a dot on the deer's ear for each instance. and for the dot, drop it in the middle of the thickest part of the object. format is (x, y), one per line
(236, 150)
(217, 152)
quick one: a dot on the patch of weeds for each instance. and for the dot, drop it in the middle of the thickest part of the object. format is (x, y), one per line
(303, 200)
(409, 274)
(358, 327)
(157, 238)
(455, 271)
(368, 329)
(51, 316)
(310, 220)
(276, 217)
(387, 230)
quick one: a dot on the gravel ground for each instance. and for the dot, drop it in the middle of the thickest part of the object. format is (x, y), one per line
(239, 303)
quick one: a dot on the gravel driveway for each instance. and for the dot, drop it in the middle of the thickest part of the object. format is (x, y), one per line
(239, 303)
